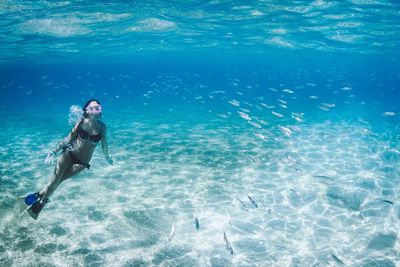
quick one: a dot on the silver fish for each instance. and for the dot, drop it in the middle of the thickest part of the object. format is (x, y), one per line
(323, 108)
(244, 110)
(328, 105)
(266, 106)
(277, 114)
(196, 223)
(287, 91)
(254, 124)
(283, 106)
(234, 103)
(298, 117)
(286, 131)
(222, 116)
(262, 137)
(244, 115)
(217, 92)
(388, 114)
(262, 122)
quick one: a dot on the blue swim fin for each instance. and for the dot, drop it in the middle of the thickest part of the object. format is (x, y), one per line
(25, 202)
(32, 198)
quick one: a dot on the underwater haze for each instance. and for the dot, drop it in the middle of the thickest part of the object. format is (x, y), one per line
(243, 133)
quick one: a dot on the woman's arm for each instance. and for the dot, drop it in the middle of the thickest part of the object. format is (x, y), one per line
(104, 145)
(69, 137)
(64, 143)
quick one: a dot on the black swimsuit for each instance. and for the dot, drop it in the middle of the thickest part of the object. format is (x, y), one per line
(75, 160)
(84, 136)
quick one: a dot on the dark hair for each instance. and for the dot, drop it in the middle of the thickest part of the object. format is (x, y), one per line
(87, 104)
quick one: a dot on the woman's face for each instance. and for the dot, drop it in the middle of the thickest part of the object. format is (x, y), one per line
(93, 109)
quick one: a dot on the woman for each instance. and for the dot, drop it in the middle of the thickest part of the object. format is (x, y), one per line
(77, 150)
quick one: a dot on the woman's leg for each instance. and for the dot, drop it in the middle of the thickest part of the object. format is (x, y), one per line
(63, 163)
(73, 170)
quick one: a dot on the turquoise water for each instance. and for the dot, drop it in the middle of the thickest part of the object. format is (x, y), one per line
(208, 105)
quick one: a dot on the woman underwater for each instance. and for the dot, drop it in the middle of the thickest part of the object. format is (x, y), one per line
(77, 150)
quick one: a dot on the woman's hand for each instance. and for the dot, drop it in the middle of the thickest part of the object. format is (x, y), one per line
(50, 157)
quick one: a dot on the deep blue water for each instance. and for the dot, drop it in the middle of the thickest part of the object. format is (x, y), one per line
(293, 103)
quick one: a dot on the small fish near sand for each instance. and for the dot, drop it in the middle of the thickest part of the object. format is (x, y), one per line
(171, 233)
(228, 245)
(252, 201)
(388, 201)
(262, 137)
(337, 260)
(241, 202)
(298, 117)
(323, 177)
(286, 131)
(196, 223)
(255, 124)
